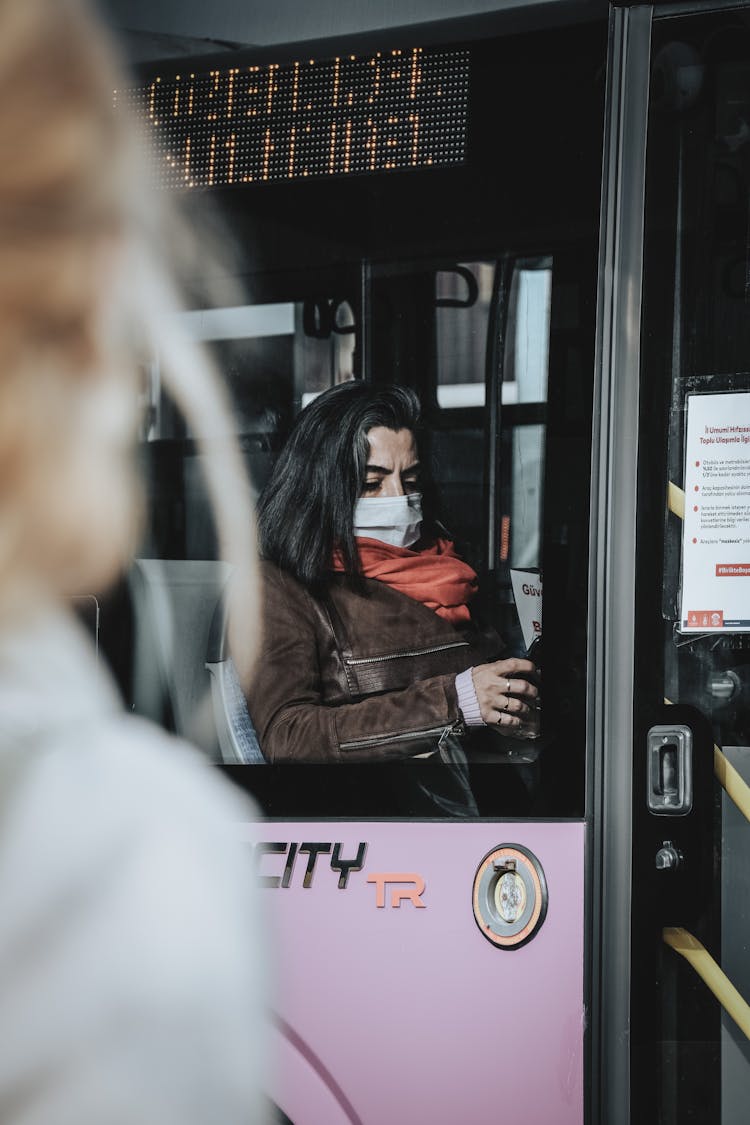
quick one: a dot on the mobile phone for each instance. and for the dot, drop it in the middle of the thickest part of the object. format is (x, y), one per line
(534, 652)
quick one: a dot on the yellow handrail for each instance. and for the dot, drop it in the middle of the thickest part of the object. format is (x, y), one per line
(729, 778)
(677, 938)
(676, 500)
(711, 974)
(732, 782)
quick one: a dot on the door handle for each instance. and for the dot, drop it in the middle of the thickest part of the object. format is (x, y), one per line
(669, 789)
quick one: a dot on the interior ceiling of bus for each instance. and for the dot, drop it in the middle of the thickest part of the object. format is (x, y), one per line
(161, 29)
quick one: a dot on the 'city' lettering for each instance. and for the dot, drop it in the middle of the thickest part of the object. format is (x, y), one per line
(283, 876)
(276, 863)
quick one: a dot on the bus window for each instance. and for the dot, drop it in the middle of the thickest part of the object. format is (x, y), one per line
(252, 345)
(487, 460)
(527, 340)
(279, 355)
(486, 310)
(525, 376)
(325, 346)
(464, 297)
(524, 548)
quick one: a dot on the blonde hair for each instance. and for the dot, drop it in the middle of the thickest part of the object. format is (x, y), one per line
(84, 297)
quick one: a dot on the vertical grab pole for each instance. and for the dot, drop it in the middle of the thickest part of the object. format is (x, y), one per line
(494, 367)
(363, 369)
(612, 559)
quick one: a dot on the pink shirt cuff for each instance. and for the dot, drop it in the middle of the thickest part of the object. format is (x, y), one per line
(467, 699)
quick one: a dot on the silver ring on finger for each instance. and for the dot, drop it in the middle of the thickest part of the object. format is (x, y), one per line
(508, 687)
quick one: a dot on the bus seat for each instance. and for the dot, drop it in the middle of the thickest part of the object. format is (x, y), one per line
(238, 742)
(174, 602)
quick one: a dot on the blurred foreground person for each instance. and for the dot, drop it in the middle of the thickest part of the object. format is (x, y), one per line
(129, 970)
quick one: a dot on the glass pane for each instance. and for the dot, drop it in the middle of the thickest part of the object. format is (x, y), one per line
(525, 372)
(463, 298)
(323, 352)
(527, 336)
(162, 632)
(464, 301)
(277, 356)
(527, 474)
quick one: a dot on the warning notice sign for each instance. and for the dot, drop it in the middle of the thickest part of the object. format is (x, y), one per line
(527, 592)
(716, 533)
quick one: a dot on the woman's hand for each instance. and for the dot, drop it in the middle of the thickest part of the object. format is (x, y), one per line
(506, 702)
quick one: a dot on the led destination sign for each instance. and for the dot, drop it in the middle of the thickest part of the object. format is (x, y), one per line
(342, 116)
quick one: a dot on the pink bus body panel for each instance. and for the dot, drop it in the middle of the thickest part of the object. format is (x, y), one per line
(410, 1014)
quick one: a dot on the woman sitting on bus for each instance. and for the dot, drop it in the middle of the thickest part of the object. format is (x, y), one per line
(370, 651)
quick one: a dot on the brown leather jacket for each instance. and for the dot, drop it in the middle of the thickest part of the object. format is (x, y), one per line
(356, 677)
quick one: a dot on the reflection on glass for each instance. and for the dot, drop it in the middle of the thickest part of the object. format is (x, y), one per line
(527, 355)
(526, 495)
(461, 324)
(325, 359)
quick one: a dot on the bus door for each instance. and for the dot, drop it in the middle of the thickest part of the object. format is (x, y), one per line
(424, 214)
(671, 574)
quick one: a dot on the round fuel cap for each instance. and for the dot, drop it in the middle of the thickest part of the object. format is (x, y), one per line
(510, 896)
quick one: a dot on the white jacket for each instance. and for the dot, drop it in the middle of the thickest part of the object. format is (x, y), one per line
(130, 968)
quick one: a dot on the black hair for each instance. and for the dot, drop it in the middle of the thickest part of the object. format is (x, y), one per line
(306, 509)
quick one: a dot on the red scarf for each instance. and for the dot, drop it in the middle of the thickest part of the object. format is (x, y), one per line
(435, 576)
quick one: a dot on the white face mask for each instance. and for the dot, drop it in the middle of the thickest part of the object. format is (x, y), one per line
(391, 519)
